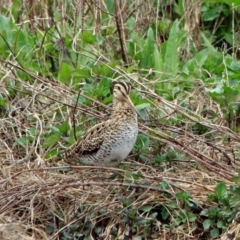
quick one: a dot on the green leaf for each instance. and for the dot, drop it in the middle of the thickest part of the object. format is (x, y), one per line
(153, 236)
(3, 101)
(110, 5)
(164, 213)
(97, 230)
(207, 224)
(208, 43)
(182, 195)
(142, 142)
(103, 88)
(51, 154)
(225, 214)
(51, 140)
(142, 106)
(50, 229)
(164, 184)
(6, 23)
(16, 5)
(211, 13)
(218, 90)
(164, 24)
(158, 61)
(22, 141)
(220, 224)
(171, 60)
(145, 208)
(126, 202)
(229, 2)
(172, 205)
(235, 201)
(88, 37)
(175, 90)
(148, 50)
(221, 190)
(102, 70)
(82, 73)
(64, 127)
(191, 217)
(214, 233)
(6, 34)
(65, 73)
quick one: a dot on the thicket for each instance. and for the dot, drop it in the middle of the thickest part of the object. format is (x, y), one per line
(57, 62)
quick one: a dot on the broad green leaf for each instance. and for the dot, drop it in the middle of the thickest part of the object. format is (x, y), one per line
(103, 88)
(211, 13)
(221, 190)
(225, 214)
(195, 64)
(217, 90)
(101, 70)
(208, 43)
(108, 99)
(82, 73)
(207, 224)
(16, 5)
(164, 24)
(142, 106)
(220, 224)
(65, 73)
(22, 141)
(214, 233)
(153, 236)
(234, 66)
(164, 213)
(182, 195)
(3, 101)
(201, 57)
(191, 217)
(64, 127)
(51, 140)
(171, 60)
(172, 205)
(126, 202)
(158, 62)
(51, 154)
(179, 7)
(6, 34)
(137, 237)
(142, 141)
(147, 60)
(146, 208)
(175, 90)
(110, 5)
(235, 201)
(88, 37)
(6, 23)
(164, 184)
(229, 2)
(97, 230)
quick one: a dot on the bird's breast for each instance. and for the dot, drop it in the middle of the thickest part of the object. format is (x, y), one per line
(125, 142)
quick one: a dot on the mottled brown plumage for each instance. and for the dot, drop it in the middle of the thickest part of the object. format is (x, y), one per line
(108, 143)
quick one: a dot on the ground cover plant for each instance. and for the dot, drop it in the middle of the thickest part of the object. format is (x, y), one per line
(57, 62)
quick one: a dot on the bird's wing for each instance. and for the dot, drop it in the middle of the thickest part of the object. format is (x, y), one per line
(91, 140)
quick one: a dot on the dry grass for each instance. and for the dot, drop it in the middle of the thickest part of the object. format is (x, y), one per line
(43, 199)
(39, 194)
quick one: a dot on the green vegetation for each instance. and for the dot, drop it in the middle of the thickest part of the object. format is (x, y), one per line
(57, 62)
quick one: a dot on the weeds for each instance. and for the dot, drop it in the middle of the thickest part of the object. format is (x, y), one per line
(57, 62)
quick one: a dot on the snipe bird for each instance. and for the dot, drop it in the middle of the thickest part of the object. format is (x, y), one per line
(109, 142)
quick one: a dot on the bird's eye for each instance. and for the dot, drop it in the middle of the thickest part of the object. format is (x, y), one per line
(119, 88)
